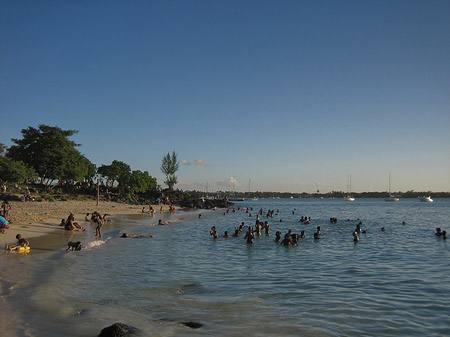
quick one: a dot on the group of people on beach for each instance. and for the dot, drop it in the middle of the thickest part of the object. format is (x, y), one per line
(4, 215)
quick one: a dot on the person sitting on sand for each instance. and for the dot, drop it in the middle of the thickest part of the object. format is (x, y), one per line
(71, 225)
(86, 218)
(3, 225)
(21, 242)
(63, 223)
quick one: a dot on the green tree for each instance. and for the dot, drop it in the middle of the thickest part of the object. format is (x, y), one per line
(118, 172)
(169, 167)
(141, 182)
(14, 171)
(50, 153)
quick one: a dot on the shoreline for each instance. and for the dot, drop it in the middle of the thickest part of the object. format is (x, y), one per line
(37, 219)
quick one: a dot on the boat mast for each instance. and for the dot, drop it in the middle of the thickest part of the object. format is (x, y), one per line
(389, 183)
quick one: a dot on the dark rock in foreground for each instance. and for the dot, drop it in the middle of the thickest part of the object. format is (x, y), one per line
(193, 325)
(118, 330)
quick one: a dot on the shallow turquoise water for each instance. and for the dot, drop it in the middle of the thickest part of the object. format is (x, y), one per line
(392, 283)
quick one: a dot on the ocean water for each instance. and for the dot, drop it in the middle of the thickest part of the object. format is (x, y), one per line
(391, 283)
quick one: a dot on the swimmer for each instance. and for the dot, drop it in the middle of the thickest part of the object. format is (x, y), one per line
(225, 235)
(213, 232)
(383, 229)
(267, 227)
(199, 216)
(319, 230)
(250, 236)
(161, 223)
(438, 232)
(21, 242)
(135, 236)
(287, 240)
(302, 235)
(316, 236)
(278, 236)
(355, 236)
(444, 235)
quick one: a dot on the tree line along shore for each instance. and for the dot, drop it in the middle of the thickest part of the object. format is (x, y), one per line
(48, 164)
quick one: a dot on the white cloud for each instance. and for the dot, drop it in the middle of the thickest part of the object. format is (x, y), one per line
(229, 183)
(201, 162)
(185, 162)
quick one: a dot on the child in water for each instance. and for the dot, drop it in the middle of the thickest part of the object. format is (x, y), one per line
(21, 242)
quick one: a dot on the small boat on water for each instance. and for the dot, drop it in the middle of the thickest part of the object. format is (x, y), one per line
(425, 199)
(236, 199)
(349, 196)
(391, 197)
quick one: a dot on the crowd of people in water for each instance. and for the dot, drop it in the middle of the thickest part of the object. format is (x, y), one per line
(289, 238)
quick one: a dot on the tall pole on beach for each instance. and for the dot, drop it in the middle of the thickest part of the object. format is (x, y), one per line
(98, 192)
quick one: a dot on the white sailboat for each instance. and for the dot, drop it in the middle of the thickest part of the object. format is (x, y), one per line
(249, 182)
(391, 197)
(349, 196)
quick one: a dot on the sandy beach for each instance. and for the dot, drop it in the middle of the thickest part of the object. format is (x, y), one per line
(37, 219)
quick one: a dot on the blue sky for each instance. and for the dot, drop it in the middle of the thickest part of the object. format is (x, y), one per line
(292, 95)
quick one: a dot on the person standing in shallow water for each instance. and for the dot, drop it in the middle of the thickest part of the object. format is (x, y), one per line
(250, 236)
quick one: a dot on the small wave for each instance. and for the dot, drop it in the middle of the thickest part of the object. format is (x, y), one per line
(96, 243)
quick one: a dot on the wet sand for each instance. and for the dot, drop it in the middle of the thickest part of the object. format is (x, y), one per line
(38, 219)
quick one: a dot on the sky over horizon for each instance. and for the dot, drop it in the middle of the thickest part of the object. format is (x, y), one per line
(290, 95)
